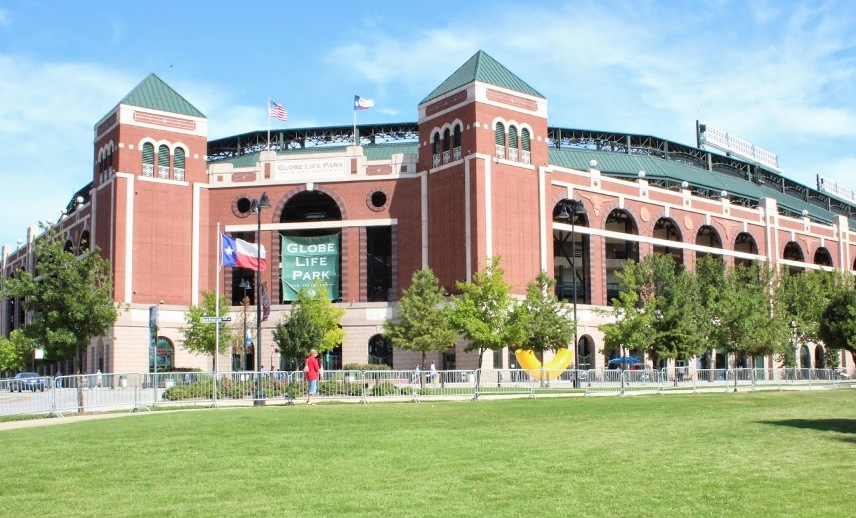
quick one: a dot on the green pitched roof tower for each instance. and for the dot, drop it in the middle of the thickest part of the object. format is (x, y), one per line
(153, 93)
(483, 68)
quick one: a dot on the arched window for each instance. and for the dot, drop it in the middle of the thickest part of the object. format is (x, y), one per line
(525, 155)
(178, 164)
(512, 137)
(435, 149)
(456, 140)
(165, 353)
(148, 159)
(499, 133)
(512, 144)
(163, 162)
(83, 246)
(380, 351)
(447, 143)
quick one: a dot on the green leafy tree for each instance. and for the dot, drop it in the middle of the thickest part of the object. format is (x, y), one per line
(632, 326)
(801, 299)
(838, 321)
(745, 321)
(669, 297)
(15, 351)
(546, 326)
(70, 299)
(314, 322)
(422, 323)
(201, 338)
(296, 335)
(483, 314)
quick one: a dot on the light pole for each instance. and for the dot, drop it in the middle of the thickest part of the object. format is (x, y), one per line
(256, 208)
(245, 302)
(577, 207)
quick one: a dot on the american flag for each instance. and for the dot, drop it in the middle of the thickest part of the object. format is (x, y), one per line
(277, 111)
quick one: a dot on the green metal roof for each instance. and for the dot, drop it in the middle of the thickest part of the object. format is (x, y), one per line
(628, 166)
(154, 94)
(483, 68)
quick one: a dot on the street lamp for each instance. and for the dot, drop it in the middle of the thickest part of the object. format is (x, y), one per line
(245, 302)
(256, 208)
(576, 207)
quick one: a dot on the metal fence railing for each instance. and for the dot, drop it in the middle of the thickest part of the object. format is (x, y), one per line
(140, 391)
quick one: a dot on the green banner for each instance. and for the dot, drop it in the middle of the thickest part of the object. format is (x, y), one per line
(305, 259)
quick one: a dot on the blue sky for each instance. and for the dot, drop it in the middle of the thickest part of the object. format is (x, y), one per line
(779, 74)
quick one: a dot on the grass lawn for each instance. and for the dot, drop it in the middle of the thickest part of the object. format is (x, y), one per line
(746, 454)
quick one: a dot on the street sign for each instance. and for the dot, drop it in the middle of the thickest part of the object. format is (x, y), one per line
(213, 320)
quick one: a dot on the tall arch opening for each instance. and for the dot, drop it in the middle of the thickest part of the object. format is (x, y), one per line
(571, 254)
(666, 229)
(618, 250)
(709, 237)
(309, 254)
(744, 242)
(823, 257)
(793, 252)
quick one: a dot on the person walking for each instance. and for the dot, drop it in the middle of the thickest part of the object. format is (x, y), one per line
(433, 373)
(312, 370)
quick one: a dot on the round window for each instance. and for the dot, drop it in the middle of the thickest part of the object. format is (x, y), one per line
(377, 200)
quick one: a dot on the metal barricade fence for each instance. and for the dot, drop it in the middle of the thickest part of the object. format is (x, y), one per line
(135, 391)
(493, 382)
(33, 397)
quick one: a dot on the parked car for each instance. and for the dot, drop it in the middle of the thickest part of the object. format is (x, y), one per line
(27, 381)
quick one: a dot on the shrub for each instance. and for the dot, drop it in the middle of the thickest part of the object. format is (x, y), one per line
(385, 388)
(366, 367)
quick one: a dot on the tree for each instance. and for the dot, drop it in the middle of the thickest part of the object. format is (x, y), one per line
(669, 297)
(200, 338)
(482, 313)
(632, 326)
(296, 335)
(422, 322)
(314, 323)
(15, 351)
(838, 322)
(70, 299)
(745, 321)
(801, 299)
(545, 325)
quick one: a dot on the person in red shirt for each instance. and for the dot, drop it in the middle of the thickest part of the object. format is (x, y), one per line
(312, 371)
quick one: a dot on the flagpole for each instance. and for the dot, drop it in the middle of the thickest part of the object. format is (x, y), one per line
(268, 110)
(217, 314)
(355, 126)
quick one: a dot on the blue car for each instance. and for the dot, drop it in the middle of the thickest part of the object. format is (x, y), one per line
(27, 381)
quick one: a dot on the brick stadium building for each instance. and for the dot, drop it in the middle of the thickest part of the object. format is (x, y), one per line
(480, 173)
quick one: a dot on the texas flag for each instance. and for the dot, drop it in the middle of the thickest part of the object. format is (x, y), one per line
(361, 103)
(241, 254)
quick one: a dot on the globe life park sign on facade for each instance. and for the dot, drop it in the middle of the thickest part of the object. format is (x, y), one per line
(310, 169)
(305, 260)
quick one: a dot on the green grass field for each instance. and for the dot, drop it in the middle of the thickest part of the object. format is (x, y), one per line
(747, 454)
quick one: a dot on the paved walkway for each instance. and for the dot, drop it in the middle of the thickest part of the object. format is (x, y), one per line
(50, 421)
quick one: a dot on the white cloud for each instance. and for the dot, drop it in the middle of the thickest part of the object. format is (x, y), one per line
(777, 75)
